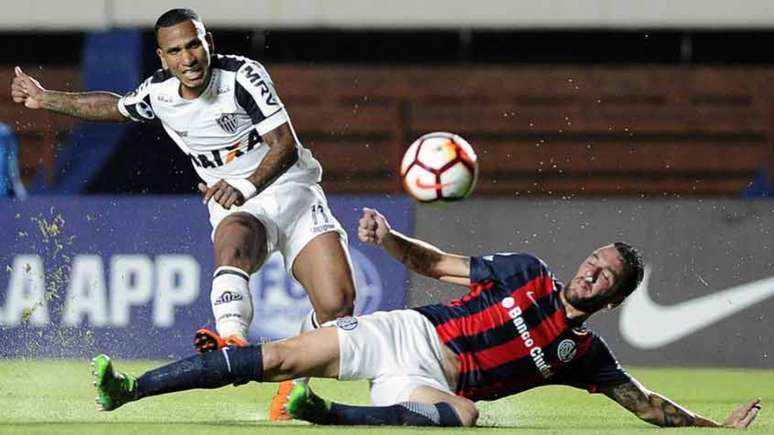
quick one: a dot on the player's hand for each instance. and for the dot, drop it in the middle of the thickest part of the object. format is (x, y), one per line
(744, 415)
(222, 193)
(372, 227)
(25, 89)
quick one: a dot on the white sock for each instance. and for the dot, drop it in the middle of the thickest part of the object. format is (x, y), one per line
(310, 322)
(231, 302)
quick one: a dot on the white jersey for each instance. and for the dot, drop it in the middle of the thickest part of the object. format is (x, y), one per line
(221, 129)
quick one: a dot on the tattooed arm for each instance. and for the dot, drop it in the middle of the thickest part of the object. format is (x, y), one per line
(660, 411)
(93, 106)
(417, 255)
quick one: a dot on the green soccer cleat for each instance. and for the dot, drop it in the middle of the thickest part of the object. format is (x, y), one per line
(303, 404)
(113, 388)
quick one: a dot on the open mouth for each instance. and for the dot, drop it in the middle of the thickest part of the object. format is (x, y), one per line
(193, 74)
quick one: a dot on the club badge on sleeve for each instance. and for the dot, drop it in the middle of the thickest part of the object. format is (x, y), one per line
(347, 323)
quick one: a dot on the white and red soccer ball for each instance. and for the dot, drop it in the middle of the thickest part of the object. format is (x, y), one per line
(439, 167)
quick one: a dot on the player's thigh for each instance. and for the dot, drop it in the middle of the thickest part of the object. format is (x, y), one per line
(324, 269)
(314, 246)
(368, 346)
(314, 353)
(466, 409)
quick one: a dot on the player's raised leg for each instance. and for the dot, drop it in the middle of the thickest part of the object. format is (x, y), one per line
(426, 407)
(324, 268)
(240, 249)
(312, 354)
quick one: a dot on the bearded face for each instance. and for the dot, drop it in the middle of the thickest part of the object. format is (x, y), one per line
(594, 285)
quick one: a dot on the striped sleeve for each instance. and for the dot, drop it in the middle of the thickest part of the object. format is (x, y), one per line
(255, 93)
(510, 269)
(136, 105)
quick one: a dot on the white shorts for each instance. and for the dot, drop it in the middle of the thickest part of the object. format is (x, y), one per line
(292, 213)
(397, 351)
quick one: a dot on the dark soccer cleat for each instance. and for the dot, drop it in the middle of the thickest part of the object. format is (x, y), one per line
(207, 341)
(303, 404)
(113, 388)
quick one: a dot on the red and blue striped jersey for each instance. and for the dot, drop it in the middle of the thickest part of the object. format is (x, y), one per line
(511, 333)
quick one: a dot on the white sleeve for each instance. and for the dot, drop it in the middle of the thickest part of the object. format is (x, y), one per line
(136, 105)
(254, 92)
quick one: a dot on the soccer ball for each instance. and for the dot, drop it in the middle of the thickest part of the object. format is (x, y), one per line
(439, 167)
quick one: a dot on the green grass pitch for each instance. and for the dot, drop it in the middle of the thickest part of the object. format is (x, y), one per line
(56, 397)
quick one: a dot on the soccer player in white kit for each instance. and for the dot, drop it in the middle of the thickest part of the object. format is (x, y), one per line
(259, 183)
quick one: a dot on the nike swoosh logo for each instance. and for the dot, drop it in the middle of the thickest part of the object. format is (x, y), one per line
(647, 325)
(423, 185)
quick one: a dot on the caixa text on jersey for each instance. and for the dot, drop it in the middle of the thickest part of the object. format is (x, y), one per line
(220, 157)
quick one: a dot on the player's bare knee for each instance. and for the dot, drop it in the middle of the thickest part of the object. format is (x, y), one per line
(466, 411)
(239, 242)
(271, 356)
(228, 254)
(471, 416)
(287, 357)
(278, 359)
(239, 226)
(333, 306)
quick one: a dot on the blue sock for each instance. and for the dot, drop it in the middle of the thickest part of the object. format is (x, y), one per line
(230, 365)
(401, 414)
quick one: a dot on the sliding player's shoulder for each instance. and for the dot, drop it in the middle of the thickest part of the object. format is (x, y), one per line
(518, 258)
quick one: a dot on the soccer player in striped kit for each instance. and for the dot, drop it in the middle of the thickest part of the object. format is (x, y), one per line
(518, 328)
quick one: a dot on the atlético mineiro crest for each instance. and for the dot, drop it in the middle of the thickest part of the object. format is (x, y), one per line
(228, 122)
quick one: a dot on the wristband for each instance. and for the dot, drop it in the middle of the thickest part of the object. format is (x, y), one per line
(244, 186)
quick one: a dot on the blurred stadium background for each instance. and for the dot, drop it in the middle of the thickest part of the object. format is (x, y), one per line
(646, 121)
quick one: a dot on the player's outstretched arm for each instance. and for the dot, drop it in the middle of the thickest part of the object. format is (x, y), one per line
(419, 256)
(92, 106)
(660, 411)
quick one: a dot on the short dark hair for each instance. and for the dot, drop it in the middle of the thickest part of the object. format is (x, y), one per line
(172, 17)
(634, 268)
